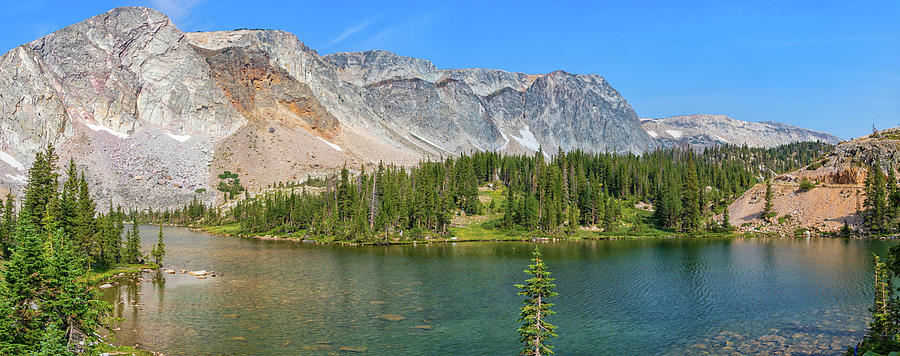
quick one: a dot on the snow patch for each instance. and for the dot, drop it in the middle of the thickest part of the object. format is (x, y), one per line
(674, 133)
(336, 147)
(428, 142)
(11, 161)
(653, 134)
(721, 139)
(179, 138)
(18, 178)
(118, 134)
(505, 138)
(527, 140)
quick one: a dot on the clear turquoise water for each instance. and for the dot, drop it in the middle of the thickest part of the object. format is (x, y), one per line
(661, 296)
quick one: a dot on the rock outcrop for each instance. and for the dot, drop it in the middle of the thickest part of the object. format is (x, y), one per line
(838, 194)
(700, 131)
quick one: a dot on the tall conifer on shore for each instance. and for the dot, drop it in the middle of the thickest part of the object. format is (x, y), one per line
(159, 250)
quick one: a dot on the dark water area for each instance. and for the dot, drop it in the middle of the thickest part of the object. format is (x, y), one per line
(657, 296)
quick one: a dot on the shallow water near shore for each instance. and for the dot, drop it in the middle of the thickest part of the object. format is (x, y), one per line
(652, 296)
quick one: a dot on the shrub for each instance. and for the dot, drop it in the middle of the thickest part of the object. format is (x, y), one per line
(807, 184)
(785, 218)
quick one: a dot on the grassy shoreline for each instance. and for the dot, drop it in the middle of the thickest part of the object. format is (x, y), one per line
(480, 234)
(95, 278)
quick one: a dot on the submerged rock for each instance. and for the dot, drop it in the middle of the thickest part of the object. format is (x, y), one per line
(772, 338)
(353, 349)
(391, 317)
(105, 286)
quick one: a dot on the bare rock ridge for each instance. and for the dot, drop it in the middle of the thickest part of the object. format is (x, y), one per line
(155, 113)
(699, 131)
(837, 196)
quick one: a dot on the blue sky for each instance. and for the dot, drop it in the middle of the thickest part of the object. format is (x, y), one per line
(827, 65)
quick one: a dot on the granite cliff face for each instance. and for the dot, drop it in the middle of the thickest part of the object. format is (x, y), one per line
(699, 131)
(154, 113)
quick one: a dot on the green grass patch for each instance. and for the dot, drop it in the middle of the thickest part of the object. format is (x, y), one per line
(95, 277)
(477, 232)
(226, 229)
(118, 350)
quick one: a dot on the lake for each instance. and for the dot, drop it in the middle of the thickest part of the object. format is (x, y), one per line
(655, 296)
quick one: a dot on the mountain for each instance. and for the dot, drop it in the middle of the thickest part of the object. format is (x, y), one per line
(838, 194)
(155, 114)
(699, 131)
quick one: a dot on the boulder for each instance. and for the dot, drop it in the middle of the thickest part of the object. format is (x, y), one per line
(201, 272)
(105, 286)
(391, 317)
(170, 271)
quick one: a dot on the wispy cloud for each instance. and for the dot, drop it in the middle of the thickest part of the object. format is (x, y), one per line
(350, 32)
(401, 31)
(175, 9)
(42, 29)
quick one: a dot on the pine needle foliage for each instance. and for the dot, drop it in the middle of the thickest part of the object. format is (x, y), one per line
(535, 331)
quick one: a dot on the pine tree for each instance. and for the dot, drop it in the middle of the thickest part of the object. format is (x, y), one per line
(690, 201)
(85, 224)
(893, 198)
(23, 283)
(7, 323)
(530, 212)
(69, 304)
(132, 253)
(5, 241)
(68, 201)
(726, 221)
(535, 331)
(883, 327)
(609, 215)
(42, 300)
(573, 220)
(637, 225)
(770, 196)
(845, 230)
(875, 202)
(510, 209)
(159, 250)
(40, 191)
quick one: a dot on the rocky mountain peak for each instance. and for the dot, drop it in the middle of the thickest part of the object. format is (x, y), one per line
(156, 114)
(704, 130)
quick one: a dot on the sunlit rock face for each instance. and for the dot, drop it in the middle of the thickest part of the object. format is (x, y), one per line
(700, 131)
(154, 114)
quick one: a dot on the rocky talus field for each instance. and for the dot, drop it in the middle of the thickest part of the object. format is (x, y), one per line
(836, 198)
